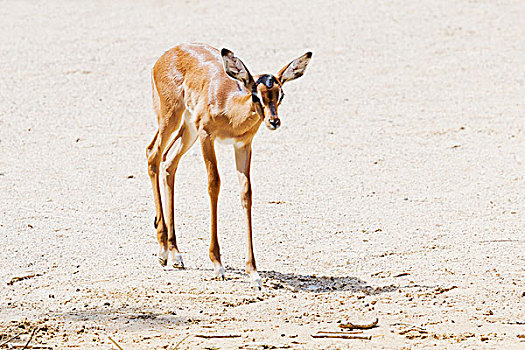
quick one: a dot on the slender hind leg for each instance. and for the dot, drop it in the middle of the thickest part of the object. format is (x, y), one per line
(154, 153)
(153, 171)
(170, 160)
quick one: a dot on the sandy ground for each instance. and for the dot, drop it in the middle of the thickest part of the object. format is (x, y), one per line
(395, 188)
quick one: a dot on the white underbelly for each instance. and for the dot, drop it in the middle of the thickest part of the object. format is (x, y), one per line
(230, 141)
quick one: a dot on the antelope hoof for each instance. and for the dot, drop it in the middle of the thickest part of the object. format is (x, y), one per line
(219, 273)
(255, 281)
(163, 257)
(178, 263)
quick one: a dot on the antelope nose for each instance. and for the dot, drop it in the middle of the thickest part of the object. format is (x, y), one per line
(275, 123)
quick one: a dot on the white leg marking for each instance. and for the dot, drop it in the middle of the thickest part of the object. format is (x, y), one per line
(177, 260)
(163, 256)
(219, 272)
(255, 280)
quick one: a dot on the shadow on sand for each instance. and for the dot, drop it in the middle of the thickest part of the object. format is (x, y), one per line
(316, 284)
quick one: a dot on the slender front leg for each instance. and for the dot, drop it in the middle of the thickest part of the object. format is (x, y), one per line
(242, 160)
(214, 184)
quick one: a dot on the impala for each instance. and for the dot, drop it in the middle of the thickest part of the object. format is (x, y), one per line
(199, 92)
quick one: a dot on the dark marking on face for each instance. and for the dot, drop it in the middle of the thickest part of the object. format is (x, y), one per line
(271, 105)
(266, 79)
(271, 95)
(281, 98)
(257, 102)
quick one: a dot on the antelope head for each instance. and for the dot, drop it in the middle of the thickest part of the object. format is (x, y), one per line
(266, 89)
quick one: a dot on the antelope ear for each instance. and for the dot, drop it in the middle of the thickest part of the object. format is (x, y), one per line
(235, 68)
(294, 69)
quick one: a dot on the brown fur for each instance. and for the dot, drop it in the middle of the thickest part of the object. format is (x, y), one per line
(194, 96)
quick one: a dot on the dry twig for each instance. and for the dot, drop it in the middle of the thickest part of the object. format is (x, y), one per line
(441, 290)
(350, 325)
(21, 346)
(30, 338)
(402, 274)
(342, 336)
(21, 278)
(210, 336)
(340, 332)
(116, 344)
(417, 329)
(13, 337)
(180, 342)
